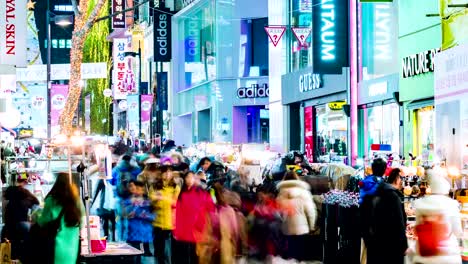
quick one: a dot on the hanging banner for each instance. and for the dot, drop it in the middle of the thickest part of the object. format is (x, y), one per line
(454, 21)
(38, 105)
(162, 90)
(38, 73)
(119, 89)
(133, 117)
(330, 33)
(309, 133)
(302, 33)
(59, 94)
(275, 33)
(118, 21)
(13, 32)
(162, 35)
(146, 103)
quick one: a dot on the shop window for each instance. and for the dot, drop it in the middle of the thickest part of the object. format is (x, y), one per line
(383, 127)
(331, 130)
(300, 16)
(425, 117)
(253, 57)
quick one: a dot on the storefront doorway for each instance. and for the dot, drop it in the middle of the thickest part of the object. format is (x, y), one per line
(250, 124)
(204, 125)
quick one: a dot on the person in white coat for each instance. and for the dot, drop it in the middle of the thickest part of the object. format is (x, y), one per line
(438, 224)
(299, 212)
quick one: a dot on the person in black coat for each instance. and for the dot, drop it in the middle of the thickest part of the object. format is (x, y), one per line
(19, 202)
(383, 222)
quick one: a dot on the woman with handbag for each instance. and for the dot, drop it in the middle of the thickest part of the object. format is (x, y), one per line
(55, 235)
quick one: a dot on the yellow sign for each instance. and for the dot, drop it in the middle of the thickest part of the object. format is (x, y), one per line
(336, 106)
(26, 133)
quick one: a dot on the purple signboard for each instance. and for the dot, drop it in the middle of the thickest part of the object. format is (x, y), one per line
(118, 21)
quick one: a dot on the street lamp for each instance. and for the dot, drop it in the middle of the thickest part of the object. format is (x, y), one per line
(137, 54)
(61, 20)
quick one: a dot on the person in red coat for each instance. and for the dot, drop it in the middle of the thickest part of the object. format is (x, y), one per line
(192, 206)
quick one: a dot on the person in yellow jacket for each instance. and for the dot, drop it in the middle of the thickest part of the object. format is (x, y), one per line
(163, 195)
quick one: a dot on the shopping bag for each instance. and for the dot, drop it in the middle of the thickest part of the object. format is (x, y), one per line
(109, 197)
(5, 251)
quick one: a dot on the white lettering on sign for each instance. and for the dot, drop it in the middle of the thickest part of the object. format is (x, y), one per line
(162, 34)
(255, 91)
(420, 63)
(309, 82)
(327, 31)
(378, 89)
(382, 33)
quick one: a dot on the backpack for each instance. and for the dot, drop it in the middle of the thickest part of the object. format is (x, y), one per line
(122, 185)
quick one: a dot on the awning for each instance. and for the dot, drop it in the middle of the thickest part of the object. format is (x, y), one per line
(117, 33)
(418, 104)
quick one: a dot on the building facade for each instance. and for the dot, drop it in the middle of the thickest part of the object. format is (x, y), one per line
(220, 85)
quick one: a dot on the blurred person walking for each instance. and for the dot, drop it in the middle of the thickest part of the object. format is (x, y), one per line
(18, 203)
(299, 214)
(164, 196)
(383, 220)
(438, 224)
(138, 211)
(193, 203)
(61, 215)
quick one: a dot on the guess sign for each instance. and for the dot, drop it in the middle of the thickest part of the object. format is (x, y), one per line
(255, 91)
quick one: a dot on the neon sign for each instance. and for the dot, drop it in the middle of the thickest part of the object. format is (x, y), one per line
(327, 29)
(330, 50)
(383, 34)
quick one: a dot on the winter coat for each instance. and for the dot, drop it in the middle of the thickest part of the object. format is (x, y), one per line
(295, 200)
(139, 213)
(164, 207)
(222, 234)
(192, 204)
(20, 200)
(383, 225)
(68, 238)
(446, 214)
(124, 166)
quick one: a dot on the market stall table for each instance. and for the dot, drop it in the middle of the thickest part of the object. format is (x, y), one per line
(115, 253)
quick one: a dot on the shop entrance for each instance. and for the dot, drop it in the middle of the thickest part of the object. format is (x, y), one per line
(204, 125)
(250, 124)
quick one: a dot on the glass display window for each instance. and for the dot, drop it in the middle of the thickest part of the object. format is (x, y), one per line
(300, 16)
(425, 128)
(331, 131)
(383, 126)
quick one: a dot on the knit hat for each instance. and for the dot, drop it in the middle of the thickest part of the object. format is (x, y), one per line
(438, 181)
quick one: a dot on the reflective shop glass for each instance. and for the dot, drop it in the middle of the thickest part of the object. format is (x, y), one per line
(382, 123)
(425, 133)
(332, 127)
(300, 15)
(197, 34)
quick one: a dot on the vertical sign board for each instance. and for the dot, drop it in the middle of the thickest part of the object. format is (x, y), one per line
(330, 35)
(119, 89)
(118, 21)
(13, 32)
(161, 92)
(162, 35)
(309, 132)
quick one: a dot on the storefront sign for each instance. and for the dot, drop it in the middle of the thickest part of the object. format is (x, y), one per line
(118, 21)
(302, 33)
(59, 94)
(255, 91)
(120, 91)
(162, 35)
(187, 2)
(38, 73)
(309, 82)
(309, 132)
(377, 89)
(275, 33)
(13, 32)
(330, 50)
(420, 63)
(162, 90)
(336, 106)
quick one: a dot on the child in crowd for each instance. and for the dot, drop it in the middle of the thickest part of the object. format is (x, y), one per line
(138, 211)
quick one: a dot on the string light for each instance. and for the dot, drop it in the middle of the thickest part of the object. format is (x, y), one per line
(83, 24)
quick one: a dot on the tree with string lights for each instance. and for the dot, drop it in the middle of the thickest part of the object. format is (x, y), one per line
(84, 21)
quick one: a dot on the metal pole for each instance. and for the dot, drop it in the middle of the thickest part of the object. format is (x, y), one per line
(49, 99)
(139, 88)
